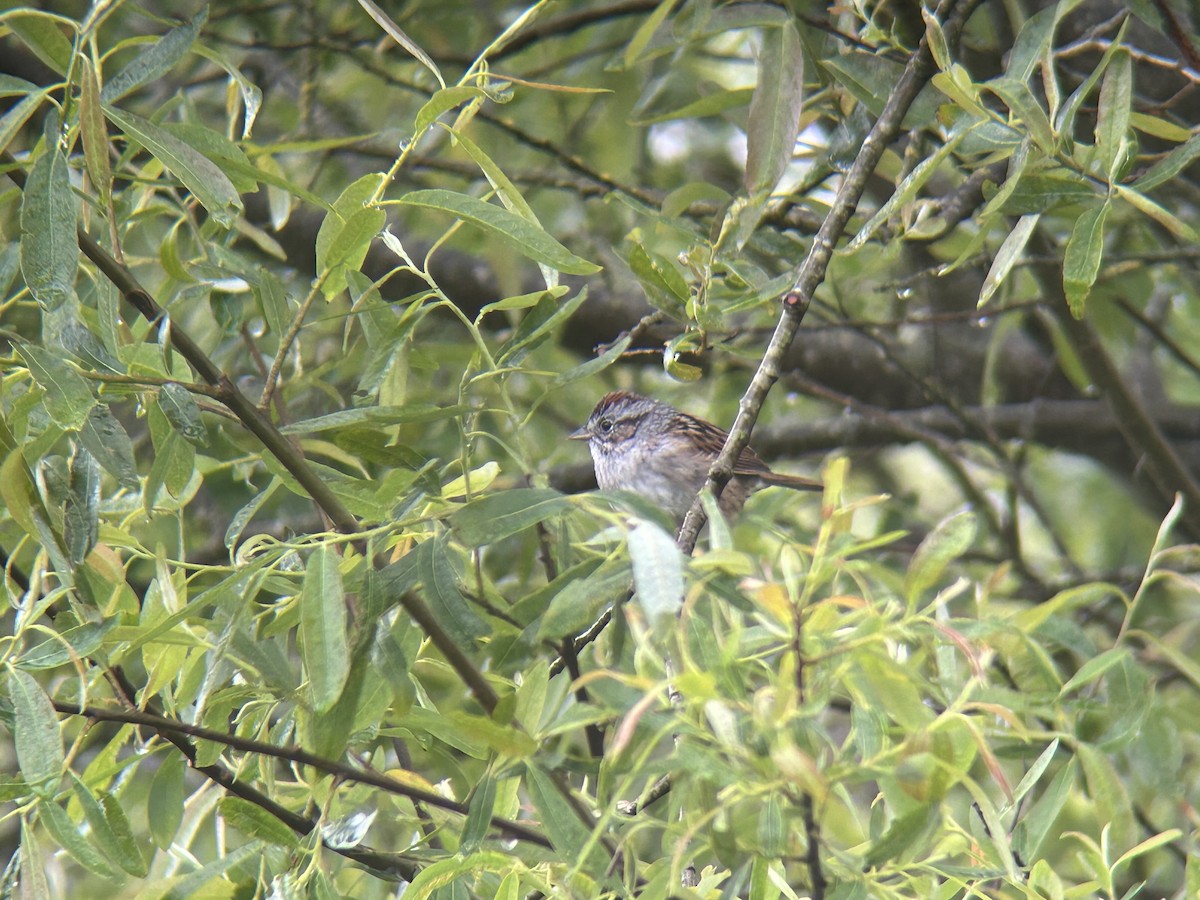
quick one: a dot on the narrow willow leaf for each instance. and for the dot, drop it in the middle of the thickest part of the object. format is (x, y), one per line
(152, 62)
(497, 516)
(1032, 43)
(529, 239)
(35, 734)
(1113, 112)
(1030, 778)
(183, 413)
(349, 245)
(442, 102)
(774, 109)
(198, 173)
(352, 200)
(903, 834)
(33, 884)
(657, 569)
(1025, 107)
(118, 849)
(376, 417)
(441, 589)
(243, 516)
(537, 326)
(11, 121)
(69, 399)
(94, 132)
(666, 289)
(479, 814)
(1035, 825)
(559, 822)
(396, 34)
(254, 821)
(1094, 668)
(164, 806)
(1008, 256)
(81, 515)
(948, 540)
(323, 643)
(1081, 259)
(641, 38)
(1170, 165)
(42, 34)
(73, 643)
(1170, 221)
(49, 246)
(70, 838)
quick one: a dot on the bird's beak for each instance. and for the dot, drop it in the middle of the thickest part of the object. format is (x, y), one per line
(580, 434)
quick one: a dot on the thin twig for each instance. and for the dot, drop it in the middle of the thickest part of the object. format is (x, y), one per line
(812, 271)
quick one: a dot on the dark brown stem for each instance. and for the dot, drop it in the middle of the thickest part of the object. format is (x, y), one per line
(297, 755)
(812, 271)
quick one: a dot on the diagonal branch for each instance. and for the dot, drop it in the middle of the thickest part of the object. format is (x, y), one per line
(812, 271)
(297, 755)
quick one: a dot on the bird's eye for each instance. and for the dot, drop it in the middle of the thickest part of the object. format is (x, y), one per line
(605, 426)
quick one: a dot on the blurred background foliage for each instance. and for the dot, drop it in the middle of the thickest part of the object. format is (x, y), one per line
(416, 242)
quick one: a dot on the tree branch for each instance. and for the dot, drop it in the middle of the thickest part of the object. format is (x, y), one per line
(812, 271)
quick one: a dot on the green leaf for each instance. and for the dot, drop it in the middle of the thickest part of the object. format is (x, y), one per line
(110, 829)
(152, 62)
(254, 821)
(1021, 102)
(32, 878)
(580, 594)
(666, 289)
(774, 109)
(903, 834)
(1113, 112)
(537, 326)
(641, 38)
(181, 411)
(49, 246)
(560, 823)
(70, 838)
(164, 806)
(1094, 668)
(70, 644)
(42, 33)
(81, 517)
(714, 104)
(1170, 165)
(1081, 259)
(1168, 220)
(479, 814)
(349, 245)
(443, 594)
(497, 516)
(950, 539)
(323, 643)
(243, 516)
(198, 174)
(396, 34)
(657, 569)
(1032, 43)
(11, 121)
(94, 132)
(376, 417)
(352, 200)
(443, 101)
(1030, 778)
(529, 239)
(1008, 256)
(35, 734)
